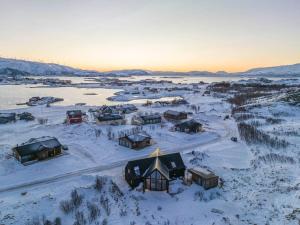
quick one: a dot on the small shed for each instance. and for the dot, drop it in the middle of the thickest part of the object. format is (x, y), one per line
(135, 141)
(37, 149)
(74, 116)
(7, 117)
(190, 126)
(175, 115)
(204, 177)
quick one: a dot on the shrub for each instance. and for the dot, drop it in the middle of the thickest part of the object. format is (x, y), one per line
(80, 219)
(66, 206)
(76, 199)
(93, 211)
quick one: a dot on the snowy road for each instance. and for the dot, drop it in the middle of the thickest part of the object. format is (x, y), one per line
(101, 168)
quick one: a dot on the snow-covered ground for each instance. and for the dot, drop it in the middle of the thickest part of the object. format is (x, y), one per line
(254, 191)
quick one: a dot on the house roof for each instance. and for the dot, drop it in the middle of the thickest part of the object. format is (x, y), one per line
(74, 113)
(202, 172)
(189, 124)
(151, 116)
(35, 145)
(173, 112)
(164, 163)
(108, 117)
(157, 165)
(138, 137)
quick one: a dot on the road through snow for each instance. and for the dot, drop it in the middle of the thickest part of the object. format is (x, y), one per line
(65, 176)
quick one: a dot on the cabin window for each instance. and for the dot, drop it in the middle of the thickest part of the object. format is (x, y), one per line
(137, 170)
(173, 164)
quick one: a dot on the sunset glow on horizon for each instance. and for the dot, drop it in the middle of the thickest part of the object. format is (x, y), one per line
(171, 35)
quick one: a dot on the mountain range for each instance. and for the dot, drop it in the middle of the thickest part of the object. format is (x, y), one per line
(24, 67)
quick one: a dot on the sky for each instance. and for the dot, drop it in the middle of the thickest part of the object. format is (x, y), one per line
(177, 35)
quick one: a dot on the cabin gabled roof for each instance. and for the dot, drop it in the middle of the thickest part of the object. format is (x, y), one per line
(189, 124)
(159, 166)
(164, 163)
(137, 137)
(35, 145)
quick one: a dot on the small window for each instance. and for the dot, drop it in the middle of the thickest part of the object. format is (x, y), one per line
(137, 170)
(173, 165)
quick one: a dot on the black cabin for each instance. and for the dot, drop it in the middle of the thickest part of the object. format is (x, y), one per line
(155, 172)
(175, 115)
(190, 126)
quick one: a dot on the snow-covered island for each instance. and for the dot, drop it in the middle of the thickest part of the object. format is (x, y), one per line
(244, 135)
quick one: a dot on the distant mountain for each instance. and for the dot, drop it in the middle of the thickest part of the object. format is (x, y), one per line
(38, 68)
(24, 67)
(12, 72)
(287, 70)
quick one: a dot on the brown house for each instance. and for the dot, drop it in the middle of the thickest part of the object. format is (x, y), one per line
(175, 115)
(37, 149)
(204, 177)
(135, 141)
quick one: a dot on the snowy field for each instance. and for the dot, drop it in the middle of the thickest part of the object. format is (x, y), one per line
(258, 187)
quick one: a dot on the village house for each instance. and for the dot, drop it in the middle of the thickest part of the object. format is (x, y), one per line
(155, 172)
(110, 119)
(118, 109)
(26, 116)
(204, 177)
(135, 141)
(146, 119)
(190, 126)
(175, 115)
(7, 117)
(74, 116)
(37, 149)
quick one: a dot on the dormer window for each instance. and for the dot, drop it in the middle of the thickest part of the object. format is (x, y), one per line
(173, 164)
(137, 170)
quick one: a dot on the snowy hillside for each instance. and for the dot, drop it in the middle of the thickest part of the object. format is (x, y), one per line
(38, 68)
(24, 67)
(275, 71)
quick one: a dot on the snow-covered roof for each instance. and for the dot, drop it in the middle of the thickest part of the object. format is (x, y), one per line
(138, 137)
(202, 172)
(7, 115)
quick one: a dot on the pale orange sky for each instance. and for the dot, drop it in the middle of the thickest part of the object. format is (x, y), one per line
(176, 35)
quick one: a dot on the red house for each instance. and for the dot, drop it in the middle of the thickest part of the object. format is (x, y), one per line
(74, 116)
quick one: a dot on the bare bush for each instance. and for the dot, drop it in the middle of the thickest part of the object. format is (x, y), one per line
(93, 211)
(104, 222)
(105, 204)
(100, 183)
(76, 199)
(115, 191)
(66, 206)
(34, 221)
(252, 135)
(80, 219)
